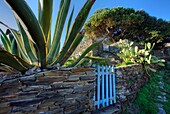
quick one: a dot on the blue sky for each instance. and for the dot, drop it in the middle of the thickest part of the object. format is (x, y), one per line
(157, 8)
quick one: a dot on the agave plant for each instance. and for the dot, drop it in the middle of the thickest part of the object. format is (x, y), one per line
(33, 44)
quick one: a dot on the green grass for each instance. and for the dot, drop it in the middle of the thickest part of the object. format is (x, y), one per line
(147, 96)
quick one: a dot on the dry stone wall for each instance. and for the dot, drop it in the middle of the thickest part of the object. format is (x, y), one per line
(52, 92)
(129, 80)
(67, 91)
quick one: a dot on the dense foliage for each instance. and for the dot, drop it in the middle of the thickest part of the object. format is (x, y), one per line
(136, 25)
(33, 44)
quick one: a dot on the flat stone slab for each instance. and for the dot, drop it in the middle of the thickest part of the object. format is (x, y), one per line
(160, 107)
(108, 110)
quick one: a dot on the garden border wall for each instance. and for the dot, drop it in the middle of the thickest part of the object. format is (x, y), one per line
(52, 92)
(129, 81)
(64, 91)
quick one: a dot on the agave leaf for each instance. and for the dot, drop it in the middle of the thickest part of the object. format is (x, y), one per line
(45, 8)
(6, 42)
(26, 41)
(62, 14)
(9, 30)
(96, 58)
(69, 23)
(19, 41)
(5, 36)
(85, 52)
(2, 69)
(10, 36)
(20, 44)
(30, 24)
(12, 61)
(14, 48)
(56, 52)
(71, 50)
(23, 62)
(5, 68)
(14, 45)
(76, 27)
(81, 61)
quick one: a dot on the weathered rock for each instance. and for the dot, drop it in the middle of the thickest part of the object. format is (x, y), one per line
(28, 91)
(167, 49)
(55, 111)
(129, 81)
(119, 73)
(24, 109)
(48, 94)
(32, 83)
(57, 73)
(25, 102)
(5, 110)
(50, 78)
(65, 92)
(89, 73)
(82, 78)
(82, 69)
(83, 89)
(28, 78)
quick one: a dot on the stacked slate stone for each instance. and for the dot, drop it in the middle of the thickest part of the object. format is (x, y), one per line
(53, 92)
(129, 80)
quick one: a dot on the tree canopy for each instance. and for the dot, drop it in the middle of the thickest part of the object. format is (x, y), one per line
(136, 25)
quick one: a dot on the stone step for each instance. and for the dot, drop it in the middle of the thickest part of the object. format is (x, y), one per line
(108, 110)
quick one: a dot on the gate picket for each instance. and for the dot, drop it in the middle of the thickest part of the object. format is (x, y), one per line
(105, 90)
